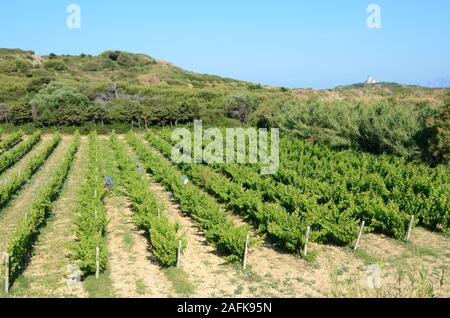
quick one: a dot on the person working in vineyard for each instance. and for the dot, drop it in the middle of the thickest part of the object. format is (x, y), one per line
(139, 168)
(108, 183)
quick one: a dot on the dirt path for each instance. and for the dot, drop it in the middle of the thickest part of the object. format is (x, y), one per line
(133, 270)
(211, 275)
(46, 274)
(17, 208)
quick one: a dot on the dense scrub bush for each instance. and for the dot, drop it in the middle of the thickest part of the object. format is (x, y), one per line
(37, 83)
(376, 127)
(12, 87)
(21, 113)
(438, 136)
(14, 66)
(56, 65)
(383, 128)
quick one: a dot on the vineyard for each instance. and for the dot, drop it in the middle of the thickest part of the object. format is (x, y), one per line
(315, 228)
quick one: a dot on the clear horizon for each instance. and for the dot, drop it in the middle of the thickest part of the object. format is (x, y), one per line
(284, 43)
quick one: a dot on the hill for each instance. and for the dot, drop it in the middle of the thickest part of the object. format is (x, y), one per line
(103, 85)
(153, 91)
(138, 90)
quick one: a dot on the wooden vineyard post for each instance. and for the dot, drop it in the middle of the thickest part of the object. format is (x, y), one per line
(363, 223)
(159, 214)
(308, 232)
(20, 172)
(7, 273)
(97, 262)
(247, 244)
(96, 214)
(180, 244)
(411, 223)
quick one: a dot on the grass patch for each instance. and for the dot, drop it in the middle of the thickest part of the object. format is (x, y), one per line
(141, 289)
(180, 281)
(101, 287)
(239, 290)
(248, 274)
(423, 251)
(128, 240)
(366, 257)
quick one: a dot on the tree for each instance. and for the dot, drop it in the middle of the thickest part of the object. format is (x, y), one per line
(21, 113)
(126, 110)
(5, 113)
(59, 104)
(134, 112)
(240, 107)
(98, 113)
(188, 110)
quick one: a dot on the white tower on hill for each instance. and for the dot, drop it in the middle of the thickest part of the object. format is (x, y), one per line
(370, 80)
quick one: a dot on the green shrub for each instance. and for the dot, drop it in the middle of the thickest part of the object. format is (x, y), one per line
(55, 65)
(376, 127)
(59, 104)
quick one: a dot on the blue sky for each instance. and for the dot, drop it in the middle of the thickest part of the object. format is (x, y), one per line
(292, 43)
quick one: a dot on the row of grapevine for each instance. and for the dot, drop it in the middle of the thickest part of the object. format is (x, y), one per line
(219, 230)
(300, 192)
(331, 224)
(11, 141)
(9, 158)
(149, 214)
(33, 165)
(28, 229)
(91, 221)
(408, 188)
(270, 217)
